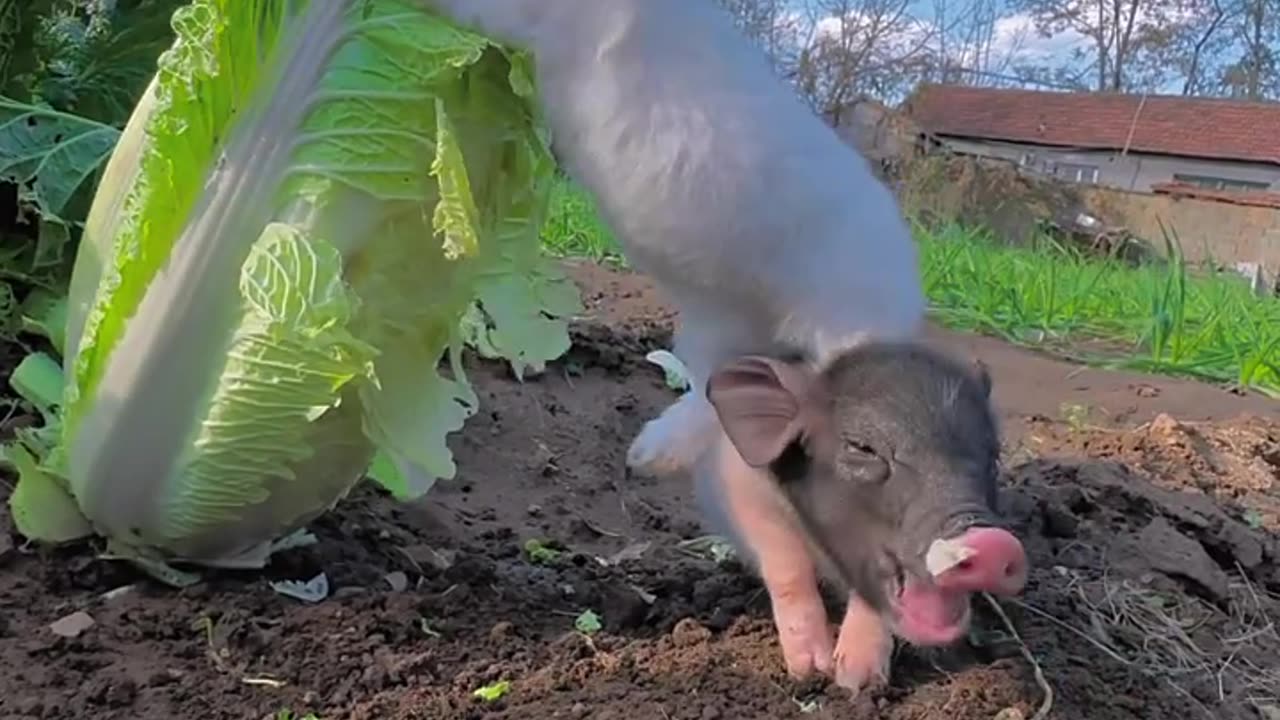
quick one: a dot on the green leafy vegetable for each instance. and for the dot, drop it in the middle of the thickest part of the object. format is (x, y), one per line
(493, 691)
(539, 552)
(587, 623)
(312, 208)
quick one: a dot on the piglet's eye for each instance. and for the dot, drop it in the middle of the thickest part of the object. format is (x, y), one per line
(861, 464)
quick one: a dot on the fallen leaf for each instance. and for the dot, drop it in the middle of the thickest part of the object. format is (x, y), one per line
(297, 539)
(425, 556)
(712, 547)
(648, 597)
(117, 593)
(72, 625)
(632, 552)
(397, 580)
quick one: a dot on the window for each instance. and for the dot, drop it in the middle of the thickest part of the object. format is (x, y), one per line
(1076, 173)
(1217, 183)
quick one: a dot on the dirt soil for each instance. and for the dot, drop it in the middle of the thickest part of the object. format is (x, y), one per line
(1149, 507)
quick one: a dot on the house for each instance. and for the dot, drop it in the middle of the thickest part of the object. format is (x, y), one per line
(1144, 143)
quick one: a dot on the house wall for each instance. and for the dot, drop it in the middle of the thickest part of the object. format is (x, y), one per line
(1011, 202)
(1133, 171)
(1206, 230)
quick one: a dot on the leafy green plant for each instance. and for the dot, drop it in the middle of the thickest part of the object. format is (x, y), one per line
(587, 622)
(540, 552)
(70, 74)
(312, 207)
(1163, 318)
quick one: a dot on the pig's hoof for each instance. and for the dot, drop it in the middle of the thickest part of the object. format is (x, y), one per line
(862, 661)
(807, 649)
(673, 441)
(659, 450)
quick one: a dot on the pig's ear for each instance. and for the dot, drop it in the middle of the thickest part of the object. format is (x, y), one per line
(983, 376)
(759, 403)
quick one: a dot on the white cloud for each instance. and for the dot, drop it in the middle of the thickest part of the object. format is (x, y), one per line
(1015, 37)
(897, 37)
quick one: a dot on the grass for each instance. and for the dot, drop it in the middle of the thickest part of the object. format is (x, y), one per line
(574, 229)
(1154, 318)
(1162, 637)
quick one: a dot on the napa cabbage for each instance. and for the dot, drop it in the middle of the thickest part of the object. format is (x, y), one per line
(312, 210)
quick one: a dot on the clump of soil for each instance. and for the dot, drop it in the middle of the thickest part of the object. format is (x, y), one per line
(1155, 568)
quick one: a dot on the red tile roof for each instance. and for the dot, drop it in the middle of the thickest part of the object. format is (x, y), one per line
(1161, 124)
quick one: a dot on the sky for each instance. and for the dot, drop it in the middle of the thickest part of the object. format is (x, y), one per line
(1014, 36)
(1016, 39)
(1016, 32)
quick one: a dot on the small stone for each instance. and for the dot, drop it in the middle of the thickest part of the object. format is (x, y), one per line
(72, 625)
(1147, 391)
(720, 620)
(1165, 425)
(122, 694)
(502, 630)
(428, 558)
(689, 632)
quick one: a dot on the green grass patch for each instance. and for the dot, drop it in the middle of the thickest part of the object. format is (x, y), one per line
(1159, 318)
(574, 228)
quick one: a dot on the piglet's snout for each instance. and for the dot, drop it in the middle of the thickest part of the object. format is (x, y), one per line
(996, 564)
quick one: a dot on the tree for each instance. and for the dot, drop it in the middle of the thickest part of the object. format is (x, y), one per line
(1256, 34)
(837, 52)
(1115, 30)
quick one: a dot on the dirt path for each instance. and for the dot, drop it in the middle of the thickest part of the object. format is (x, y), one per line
(1154, 549)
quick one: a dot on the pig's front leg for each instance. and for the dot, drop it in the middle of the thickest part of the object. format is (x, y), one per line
(673, 441)
(863, 649)
(803, 628)
(745, 498)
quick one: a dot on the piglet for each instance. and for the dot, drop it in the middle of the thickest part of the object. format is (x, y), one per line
(876, 469)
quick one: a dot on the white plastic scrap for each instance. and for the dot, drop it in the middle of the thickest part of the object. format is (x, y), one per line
(944, 555)
(312, 591)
